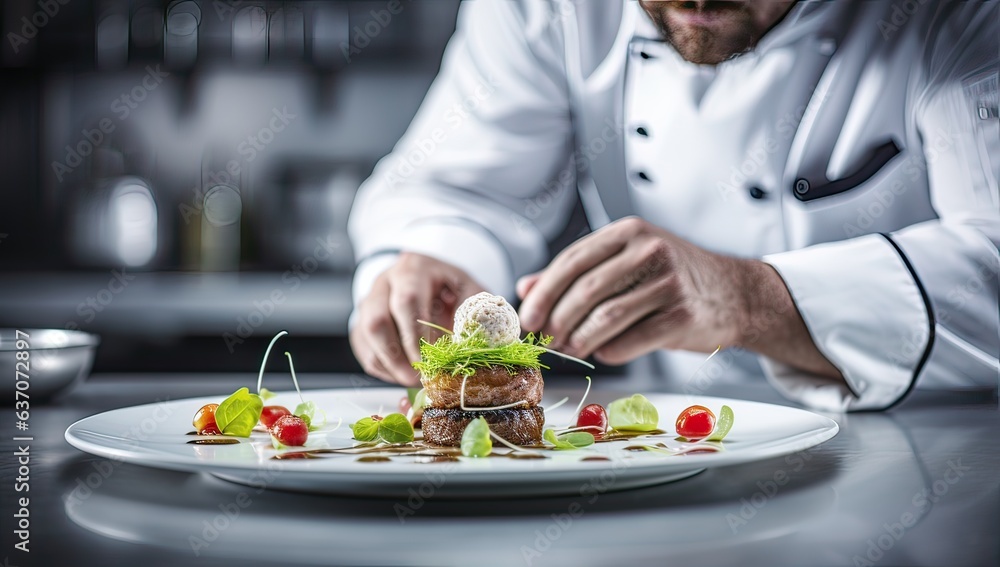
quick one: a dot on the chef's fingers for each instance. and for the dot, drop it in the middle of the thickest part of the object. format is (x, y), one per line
(619, 274)
(366, 356)
(648, 335)
(409, 300)
(525, 283)
(385, 343)
(359, 334)
(377, 337)
(617, 315)
(567, 266)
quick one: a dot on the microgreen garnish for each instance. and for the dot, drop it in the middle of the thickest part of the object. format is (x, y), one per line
(239, 413)
(579, 406)
(476, 439)
(568, 441)
(634, 413)
(449, 357)
(263, 363)
(394, 429)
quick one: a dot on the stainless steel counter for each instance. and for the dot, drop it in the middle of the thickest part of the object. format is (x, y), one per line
(914, 486)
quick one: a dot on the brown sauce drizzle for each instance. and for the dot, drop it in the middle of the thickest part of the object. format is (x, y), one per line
(595, 458)
(373, 459)
(215, 441)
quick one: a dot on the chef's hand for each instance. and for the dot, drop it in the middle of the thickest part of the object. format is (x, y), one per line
(386, 335)
(632, 288)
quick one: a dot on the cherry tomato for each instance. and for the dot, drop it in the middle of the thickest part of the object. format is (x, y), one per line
(595, 419)
(290, 430)
(270, 414)
(204, 420)
(695, 422)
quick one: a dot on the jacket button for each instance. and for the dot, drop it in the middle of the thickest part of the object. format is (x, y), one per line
(757, 192)
(801, 186)
(641, 131)
(642, 175)
(645, 55)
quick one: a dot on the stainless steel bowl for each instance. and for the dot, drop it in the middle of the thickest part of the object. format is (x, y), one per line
(56, 360)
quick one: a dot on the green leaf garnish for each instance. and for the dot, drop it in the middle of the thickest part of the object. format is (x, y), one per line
(411, 394)
(569, 441)
(419, 401)
(266, 394)
(635, 413)
(312, 415)
(445, 356)
(239, 413)
(365, 429)
(476, 439)
(723, 425)
(395, 428)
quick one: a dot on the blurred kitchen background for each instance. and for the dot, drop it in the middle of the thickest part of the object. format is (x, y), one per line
(177, 175)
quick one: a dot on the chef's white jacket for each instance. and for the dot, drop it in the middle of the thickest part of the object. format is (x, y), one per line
(856, 149)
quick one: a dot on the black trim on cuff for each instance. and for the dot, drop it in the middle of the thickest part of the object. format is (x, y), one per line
(931, 320)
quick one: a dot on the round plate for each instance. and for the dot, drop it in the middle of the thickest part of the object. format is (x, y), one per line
(155, 435)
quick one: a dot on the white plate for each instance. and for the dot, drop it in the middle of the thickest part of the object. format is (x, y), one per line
(155, 435)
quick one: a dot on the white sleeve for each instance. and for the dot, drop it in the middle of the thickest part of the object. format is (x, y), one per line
(919, 306)
(483, 177)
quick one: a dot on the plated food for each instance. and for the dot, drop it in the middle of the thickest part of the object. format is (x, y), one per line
(482, 385)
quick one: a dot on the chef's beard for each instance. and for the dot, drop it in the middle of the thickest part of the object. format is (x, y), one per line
(734, 29)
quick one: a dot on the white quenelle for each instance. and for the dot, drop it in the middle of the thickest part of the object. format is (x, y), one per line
(490, 313)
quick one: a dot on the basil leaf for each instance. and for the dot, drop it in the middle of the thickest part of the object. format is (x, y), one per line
(635, 413)
(239, 413)
(266, 394)
(395, 428)
(365, 429)
(313, 416)
(476, 439)
(723, 425)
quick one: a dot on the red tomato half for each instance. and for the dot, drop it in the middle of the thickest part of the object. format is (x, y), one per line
(695, 422)
(290, 430)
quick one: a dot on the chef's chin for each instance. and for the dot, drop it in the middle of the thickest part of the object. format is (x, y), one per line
(710, 32)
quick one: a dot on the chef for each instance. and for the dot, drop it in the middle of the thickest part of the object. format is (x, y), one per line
(810, 185)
